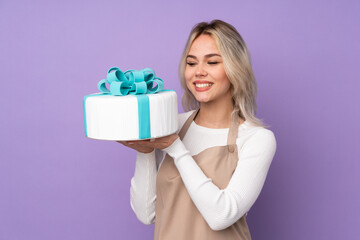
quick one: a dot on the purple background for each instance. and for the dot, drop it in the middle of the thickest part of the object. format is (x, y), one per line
(56, 184)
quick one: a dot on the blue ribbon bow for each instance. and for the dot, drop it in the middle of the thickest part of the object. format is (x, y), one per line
(131, 82)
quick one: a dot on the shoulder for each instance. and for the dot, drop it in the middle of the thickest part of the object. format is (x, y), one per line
(182, 117)
(256, 137)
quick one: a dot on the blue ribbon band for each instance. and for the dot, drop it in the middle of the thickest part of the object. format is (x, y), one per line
(144, 116)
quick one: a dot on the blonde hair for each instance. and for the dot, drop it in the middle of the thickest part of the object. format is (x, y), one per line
(237, 65)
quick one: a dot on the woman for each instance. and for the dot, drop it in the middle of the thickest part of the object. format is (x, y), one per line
(215, 166)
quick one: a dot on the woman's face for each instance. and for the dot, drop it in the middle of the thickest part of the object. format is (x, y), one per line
(204, 73)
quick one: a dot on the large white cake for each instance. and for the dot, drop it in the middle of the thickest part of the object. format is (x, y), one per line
(109, 117)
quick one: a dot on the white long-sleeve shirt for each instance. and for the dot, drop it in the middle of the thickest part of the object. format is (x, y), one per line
(220, 207)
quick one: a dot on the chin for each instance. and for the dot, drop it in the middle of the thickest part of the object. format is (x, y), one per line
(203, 99)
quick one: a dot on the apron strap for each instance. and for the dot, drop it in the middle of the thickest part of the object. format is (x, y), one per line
(187, 124)
(233, 133)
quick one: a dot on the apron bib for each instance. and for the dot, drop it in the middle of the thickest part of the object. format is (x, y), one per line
(176, 215)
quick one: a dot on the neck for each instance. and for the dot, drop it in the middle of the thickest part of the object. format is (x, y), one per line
(215, 114)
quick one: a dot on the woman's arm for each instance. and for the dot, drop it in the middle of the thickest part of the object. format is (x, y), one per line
(143, 186)
(223, 207)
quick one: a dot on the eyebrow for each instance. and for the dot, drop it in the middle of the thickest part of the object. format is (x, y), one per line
(206, 56)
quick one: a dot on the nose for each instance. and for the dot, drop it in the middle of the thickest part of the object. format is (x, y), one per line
(200, 71)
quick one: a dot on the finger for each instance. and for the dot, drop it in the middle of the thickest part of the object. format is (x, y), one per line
(136, 141)
(129, 143)
(147, 143)
(142, 141)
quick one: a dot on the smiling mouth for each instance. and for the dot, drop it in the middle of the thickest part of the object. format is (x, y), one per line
(203, 85)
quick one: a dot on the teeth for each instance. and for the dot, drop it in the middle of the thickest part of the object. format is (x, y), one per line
(203, 85)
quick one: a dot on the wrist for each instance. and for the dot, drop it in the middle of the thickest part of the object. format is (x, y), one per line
(176, 150)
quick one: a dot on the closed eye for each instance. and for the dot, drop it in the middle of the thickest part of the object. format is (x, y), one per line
(191, 63)
(213, 63)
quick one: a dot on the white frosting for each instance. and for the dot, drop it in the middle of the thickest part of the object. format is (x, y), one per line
(116, 117)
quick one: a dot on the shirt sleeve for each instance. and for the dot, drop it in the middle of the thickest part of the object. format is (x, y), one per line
(223, 207)
(143, 186)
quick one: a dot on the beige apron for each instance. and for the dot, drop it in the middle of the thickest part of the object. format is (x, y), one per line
(176, 215)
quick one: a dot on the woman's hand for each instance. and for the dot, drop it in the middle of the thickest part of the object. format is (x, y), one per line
(137, 145)
(147, 146)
